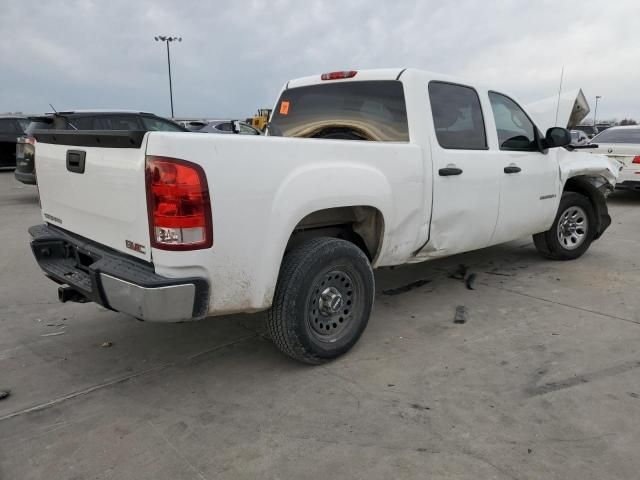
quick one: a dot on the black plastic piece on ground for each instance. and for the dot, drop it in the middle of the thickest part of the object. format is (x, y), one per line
(461, 314)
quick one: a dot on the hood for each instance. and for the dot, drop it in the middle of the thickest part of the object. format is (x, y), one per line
(571, 109)
(575, 163)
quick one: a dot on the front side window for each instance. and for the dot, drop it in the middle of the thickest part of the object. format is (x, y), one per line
(372, 110)
(515, 130)
(618, 135)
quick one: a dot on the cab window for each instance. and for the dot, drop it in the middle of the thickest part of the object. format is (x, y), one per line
(457, 116)
(515, 130)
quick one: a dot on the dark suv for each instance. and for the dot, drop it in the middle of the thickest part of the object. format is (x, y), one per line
(83, 120)
(11, 127)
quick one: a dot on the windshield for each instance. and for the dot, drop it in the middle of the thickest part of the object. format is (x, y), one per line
(367, 110)
(618, 135)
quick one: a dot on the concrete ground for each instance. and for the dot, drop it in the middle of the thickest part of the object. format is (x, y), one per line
(542, 382)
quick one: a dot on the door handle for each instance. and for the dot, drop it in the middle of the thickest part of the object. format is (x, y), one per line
(512, 169)
(448, 171)
(75, 160)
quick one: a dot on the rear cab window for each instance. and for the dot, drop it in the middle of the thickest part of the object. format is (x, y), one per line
(457, 116)
(370, 110)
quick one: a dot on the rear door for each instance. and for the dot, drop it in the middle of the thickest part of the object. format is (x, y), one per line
(466, 184)
(93, 184)
(529, 180)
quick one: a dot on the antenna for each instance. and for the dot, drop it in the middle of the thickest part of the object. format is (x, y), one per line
(559, 91)
(53, 108)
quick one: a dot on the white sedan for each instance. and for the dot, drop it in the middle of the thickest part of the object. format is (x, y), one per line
(622, 144)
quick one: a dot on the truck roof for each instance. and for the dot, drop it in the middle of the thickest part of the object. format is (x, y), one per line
(380, 74)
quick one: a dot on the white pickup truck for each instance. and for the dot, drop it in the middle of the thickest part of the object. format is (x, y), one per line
(397, 166)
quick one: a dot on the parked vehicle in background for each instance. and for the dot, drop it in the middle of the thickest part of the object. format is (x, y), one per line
(227, 126)
(171, 227)
(192, 124)
(260, 119)
(622, 144)
(590, 130)
(24, 150)
(578, 137)
(12, 126)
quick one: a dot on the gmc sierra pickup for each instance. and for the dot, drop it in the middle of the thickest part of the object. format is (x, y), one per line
(396, 166)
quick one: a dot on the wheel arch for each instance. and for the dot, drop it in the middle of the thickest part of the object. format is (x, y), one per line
(585, 185)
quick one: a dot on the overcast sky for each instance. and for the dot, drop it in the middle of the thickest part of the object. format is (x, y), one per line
(236, 55)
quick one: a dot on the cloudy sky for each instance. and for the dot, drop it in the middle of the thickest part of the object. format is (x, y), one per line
(236, 55)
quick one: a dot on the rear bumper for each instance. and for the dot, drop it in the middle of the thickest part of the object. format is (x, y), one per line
(116, 281)
(28, 178)
(629, 185)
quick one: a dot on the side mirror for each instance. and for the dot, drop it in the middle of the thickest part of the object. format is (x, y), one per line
(557, 137)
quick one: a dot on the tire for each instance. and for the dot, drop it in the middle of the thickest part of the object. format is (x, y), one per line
(322, 301)
(572, 231)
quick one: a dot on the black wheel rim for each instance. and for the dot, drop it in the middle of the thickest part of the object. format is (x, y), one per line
(334, 304)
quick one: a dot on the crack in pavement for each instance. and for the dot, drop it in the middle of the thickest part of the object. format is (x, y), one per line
(614, 317)
(116, 381)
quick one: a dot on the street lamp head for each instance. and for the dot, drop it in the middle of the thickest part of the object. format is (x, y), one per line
(164, 38)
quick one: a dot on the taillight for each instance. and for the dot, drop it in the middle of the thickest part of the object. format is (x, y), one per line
(338, 75)
(178, 204)
(636, 159)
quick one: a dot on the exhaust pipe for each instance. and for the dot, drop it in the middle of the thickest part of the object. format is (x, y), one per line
(68, 294)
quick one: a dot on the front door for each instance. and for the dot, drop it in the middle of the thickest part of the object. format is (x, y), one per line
(529, 179)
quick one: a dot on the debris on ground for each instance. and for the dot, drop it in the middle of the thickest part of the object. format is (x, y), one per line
(4, 394)
(406, 288)
(460, 273)
(106, 344)
(462, 315)
(52, 334)
(501, 274)
(470, 282)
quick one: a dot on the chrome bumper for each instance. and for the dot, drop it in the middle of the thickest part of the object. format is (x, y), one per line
(91, 272)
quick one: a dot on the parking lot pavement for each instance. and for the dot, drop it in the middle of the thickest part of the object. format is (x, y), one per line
(541, 382)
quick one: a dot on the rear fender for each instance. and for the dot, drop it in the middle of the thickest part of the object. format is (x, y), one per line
(309, 189)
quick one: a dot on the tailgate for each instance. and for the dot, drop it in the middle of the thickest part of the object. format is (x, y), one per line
(93, 184)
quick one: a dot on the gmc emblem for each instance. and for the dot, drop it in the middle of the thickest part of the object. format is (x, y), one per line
(136, 247)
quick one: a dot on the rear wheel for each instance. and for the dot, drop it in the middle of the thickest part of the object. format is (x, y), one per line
(572, 231)
(323, 300)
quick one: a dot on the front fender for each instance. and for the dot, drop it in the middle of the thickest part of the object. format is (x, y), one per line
(577, 163)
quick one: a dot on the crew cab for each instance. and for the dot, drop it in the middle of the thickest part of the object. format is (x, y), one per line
(358, 170)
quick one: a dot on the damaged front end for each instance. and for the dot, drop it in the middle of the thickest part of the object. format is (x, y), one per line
(592, 175)
(601, 170)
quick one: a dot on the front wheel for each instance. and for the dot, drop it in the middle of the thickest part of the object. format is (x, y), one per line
(572, 231)
(323, 300)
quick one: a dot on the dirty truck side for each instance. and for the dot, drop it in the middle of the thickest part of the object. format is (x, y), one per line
(359, 170)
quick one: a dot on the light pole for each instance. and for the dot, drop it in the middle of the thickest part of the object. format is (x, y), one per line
(595, 111)
(167, 40)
